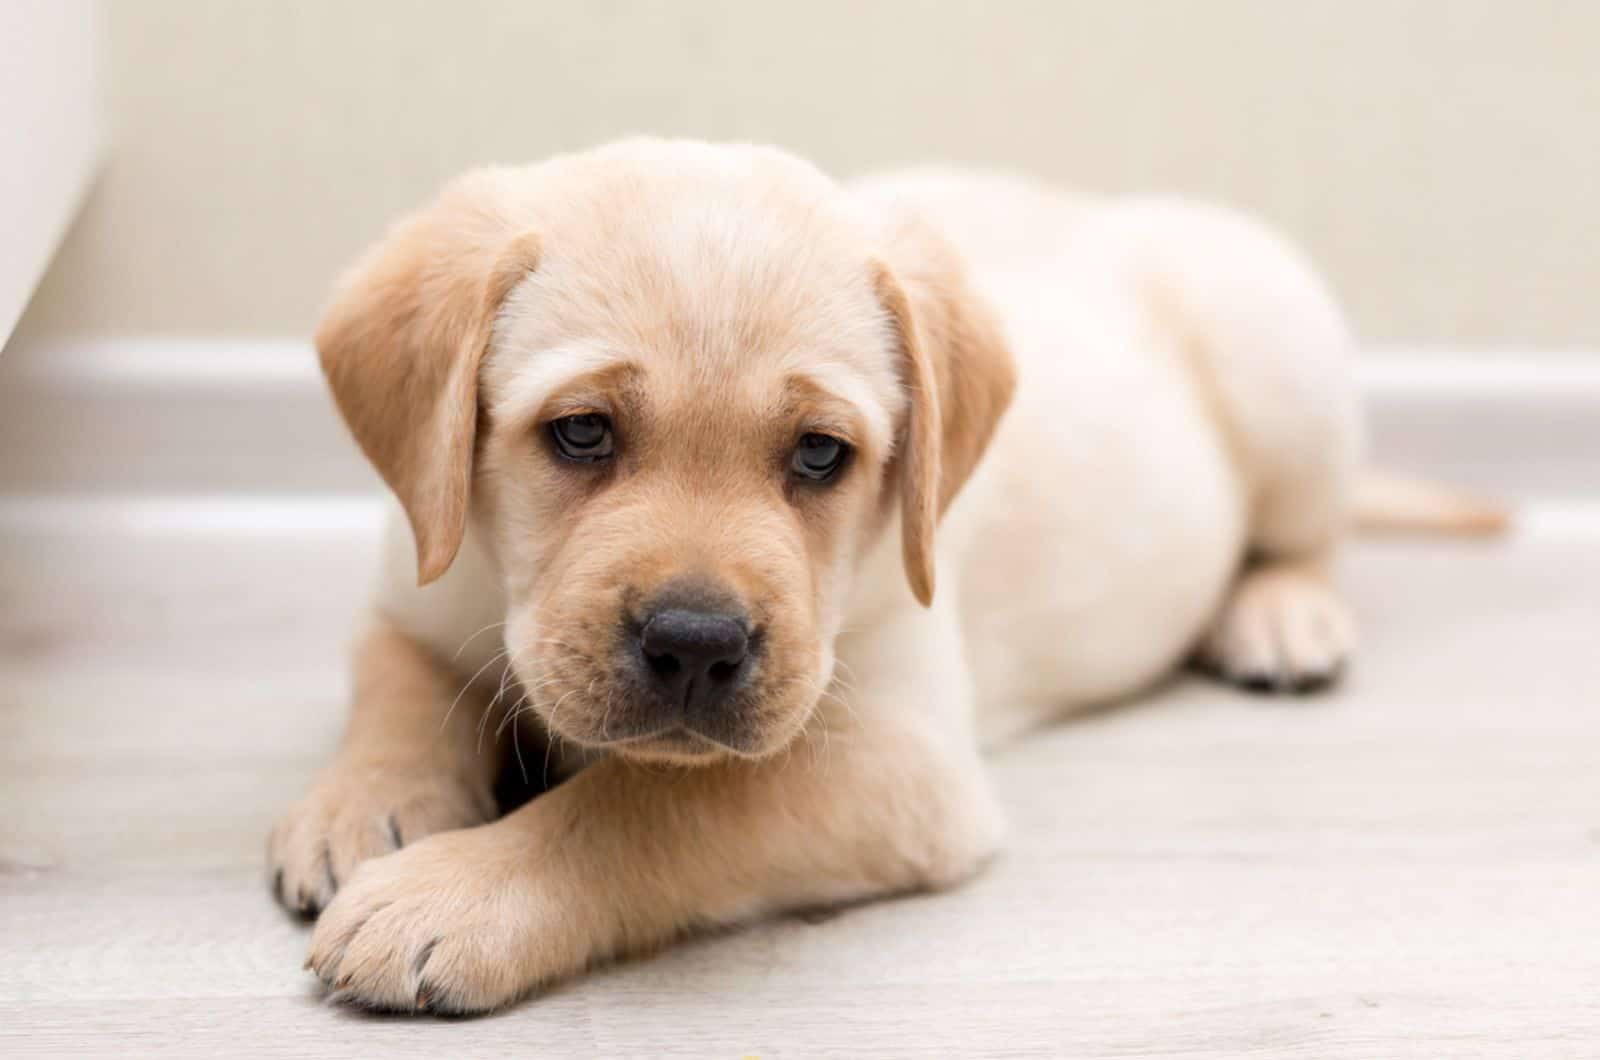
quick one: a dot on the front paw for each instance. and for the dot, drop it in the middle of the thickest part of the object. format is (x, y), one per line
(356, 811)
(460, 923)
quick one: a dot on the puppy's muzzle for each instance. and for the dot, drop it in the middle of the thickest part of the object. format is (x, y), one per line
(698, 660)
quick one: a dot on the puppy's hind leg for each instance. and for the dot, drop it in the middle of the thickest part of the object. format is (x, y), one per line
(1283, 628)
(1283, 625)
(1270, 356)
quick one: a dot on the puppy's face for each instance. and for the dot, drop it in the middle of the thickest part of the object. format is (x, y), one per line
(680, 392)
(683, 449)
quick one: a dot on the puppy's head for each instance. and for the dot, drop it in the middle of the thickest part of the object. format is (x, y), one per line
(680, 390)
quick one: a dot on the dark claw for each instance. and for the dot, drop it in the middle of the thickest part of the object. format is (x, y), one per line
(819, 915)
(1306, 684)
(1284, 684)
(422, 957)
(1256, 682)
(394, 833)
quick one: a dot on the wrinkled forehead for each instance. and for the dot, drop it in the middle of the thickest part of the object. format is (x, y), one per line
(730, 308)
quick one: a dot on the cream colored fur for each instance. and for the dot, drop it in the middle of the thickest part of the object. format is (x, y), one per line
(1171, 480)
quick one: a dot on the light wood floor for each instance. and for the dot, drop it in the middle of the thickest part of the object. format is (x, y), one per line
(1407, 868)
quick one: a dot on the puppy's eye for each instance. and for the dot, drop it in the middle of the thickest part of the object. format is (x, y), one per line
(586, 437)
(818, 457)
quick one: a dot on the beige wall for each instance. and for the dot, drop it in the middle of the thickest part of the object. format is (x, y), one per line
(1442, 159)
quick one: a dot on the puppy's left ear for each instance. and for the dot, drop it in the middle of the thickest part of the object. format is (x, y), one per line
(402, 340)
(959, 375)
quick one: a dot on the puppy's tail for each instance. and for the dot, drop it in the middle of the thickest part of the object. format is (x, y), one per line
(1397, 504)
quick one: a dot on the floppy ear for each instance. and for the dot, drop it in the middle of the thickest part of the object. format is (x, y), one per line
(401, 343)
(959, 375)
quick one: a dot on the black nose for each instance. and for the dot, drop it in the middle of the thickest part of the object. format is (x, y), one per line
(697, 657)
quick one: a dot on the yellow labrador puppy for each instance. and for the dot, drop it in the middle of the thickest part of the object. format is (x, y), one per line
(770, 502)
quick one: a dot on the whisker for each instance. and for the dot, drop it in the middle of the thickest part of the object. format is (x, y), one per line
(527, 694)
(483, 719)
(505, 676)
(516, 738)
(501, 654)
(605, 718)
(556, 642)
(554, 734)
(475, 636)
(511, 715)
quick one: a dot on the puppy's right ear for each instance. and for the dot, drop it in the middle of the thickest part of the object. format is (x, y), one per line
(402, 340)
(958, 372)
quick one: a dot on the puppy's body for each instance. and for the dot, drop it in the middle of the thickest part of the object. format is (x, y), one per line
(1171, 478)
(1185, 399)
(1095, 542)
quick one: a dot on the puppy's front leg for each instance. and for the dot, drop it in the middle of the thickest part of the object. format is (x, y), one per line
(624, 857)
(409, 766)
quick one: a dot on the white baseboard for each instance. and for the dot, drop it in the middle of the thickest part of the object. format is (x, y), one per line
(156, 432)
(171, 417)
(186, 362)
